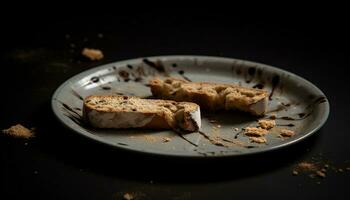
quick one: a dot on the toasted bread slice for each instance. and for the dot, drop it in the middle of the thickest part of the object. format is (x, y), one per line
(212, 96)
(133, 112)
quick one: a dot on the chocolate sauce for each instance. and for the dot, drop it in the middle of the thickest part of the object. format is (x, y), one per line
(289, 125)
(174, 65)
(182, 73)
(251, 71)
(275, 81)
(129, 66)
(72, 114)
(155, 65)
(122, 144)
(77, 108)
(258, 86)
(106, 87)
(75, 93)
(95, 79)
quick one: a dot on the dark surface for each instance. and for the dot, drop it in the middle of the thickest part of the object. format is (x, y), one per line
(37, 56)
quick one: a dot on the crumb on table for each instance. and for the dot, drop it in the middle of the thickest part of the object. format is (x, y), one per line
(19, 131)
(128, 196)
(92, 54)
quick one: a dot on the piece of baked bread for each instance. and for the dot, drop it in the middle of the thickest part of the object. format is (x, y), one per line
(103, 111)
(212, 96)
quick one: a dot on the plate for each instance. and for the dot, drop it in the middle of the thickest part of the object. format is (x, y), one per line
(297, 105)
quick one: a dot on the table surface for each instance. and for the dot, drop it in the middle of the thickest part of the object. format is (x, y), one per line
(59, 164)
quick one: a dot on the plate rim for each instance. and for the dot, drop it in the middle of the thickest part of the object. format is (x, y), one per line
(323, 118)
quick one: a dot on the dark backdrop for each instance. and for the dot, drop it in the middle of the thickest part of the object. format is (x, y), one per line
(40, 51)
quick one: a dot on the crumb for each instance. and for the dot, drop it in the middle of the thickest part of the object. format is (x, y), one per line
(340, 170)
(26, 144)
(320, 174)
(92, 54)
(218, 125)
(255, 132)
(128, 196)
(306, 166)
(326, 166)
(287, 133)
(19, 131)
(267, 123)
(295, 173)
(348, 168)
(258, 139)
(323, 170)
(318, 182)
(235, 129)
(166, 139)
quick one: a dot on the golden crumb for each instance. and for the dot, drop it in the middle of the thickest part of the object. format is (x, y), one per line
(255, 132)
(19, 131)
(258, 139)
(287, 133)
(128, 196)
(267, 123)
(92, 54)
(295, 173)
(306, 166)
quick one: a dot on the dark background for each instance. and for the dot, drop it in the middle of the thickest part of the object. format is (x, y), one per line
(39, 52)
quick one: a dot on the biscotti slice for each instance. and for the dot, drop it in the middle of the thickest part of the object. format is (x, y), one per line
(212, 96)
(103, 111)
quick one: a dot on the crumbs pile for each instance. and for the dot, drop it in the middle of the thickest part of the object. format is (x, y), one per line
(19, 131)
(256, 134)
(317, 168)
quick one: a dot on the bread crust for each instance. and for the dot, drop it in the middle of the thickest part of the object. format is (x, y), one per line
(212, 96)
(109, 111)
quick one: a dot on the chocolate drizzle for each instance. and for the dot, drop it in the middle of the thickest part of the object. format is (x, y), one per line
(182, 73)
(275, 81)
(75, 93)
(72, 114)
(158, 65)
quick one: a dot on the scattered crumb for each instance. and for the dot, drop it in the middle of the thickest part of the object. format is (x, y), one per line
(318, 182)
(340, 170)
(306, 166)
(255, 132)
(92, 54)
(258, 139)
(287, 133)
(320, 174)
(19, 131)
(128, 196)
(348, 168)
(323, 170)
(295, 173)
(26, 144)
(326, 166)
(267, 123)
(166, 139)
(235, 129)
